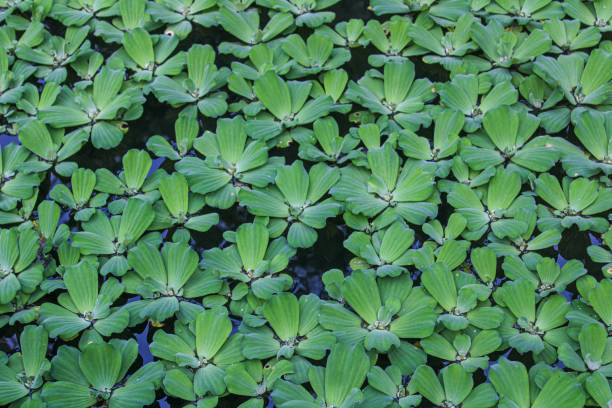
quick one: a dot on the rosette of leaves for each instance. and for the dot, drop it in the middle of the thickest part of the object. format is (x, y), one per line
(178, 207)
(593, 14)
(132, 181)
(85, 305)
(448, 125)
(148, 56)
(455, 226)
(324, 143)
(506, 48)
(87, 66)
(470, 349)
(524, 11)
(527, 328)
(464, 300)
(314, 55)
(451, 253)
(509, 131)
(594, 354)
(166, 279)
(525, 241)
(385, 249)
(22, 309)
(79, 196)
(20, 271)
(54, 54)
(232, 163)
(583, 81)
(296, 197)
(453, 387)
(463, 174)
(18, 189)
(197, 88)
(594, 131)
(199, 354)
(385, 310)
(262, 58)
(82, 13)
(307, 12)
(30, 101)
(382, 7)
(288, 105)
(507, 213)
(97, 374)
(52, 147)
(293, 328)
(345, 33)
(573, 202)
(99, 110)
(548, 389)
(548, 277)
(23, 373)
(394, 93)
(544, 102)
(338, 384)
(245, 26)
(567, 35)
(601, 254)
(253, 263)
(388, 388)
(475, 95)
(186, 130)
(392, 39)
(255, 380)
(179, 16)
(386, 189)
(113, 237)
(450, 49)
(12, 84)
(594, 306)
(130, 15)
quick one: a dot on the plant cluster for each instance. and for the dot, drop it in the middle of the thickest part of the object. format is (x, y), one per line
(456, 145)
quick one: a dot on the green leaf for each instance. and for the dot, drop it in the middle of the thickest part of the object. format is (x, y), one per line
(361, 293)
(292, 181)
(549, 189)
(33, 342)
(457, 383)
(212, 328)
(177, 384)
(139, 47)
(519, 297)
(511, 382)
(136, 165)
(81, 280)
(273, 92)
(561, 390)
(136, 218)
(36, 138)
(175, 193)
(101, 364)
(346, 370)
(282, 312)
(252, 243)
(427, 384)
(439, 282)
